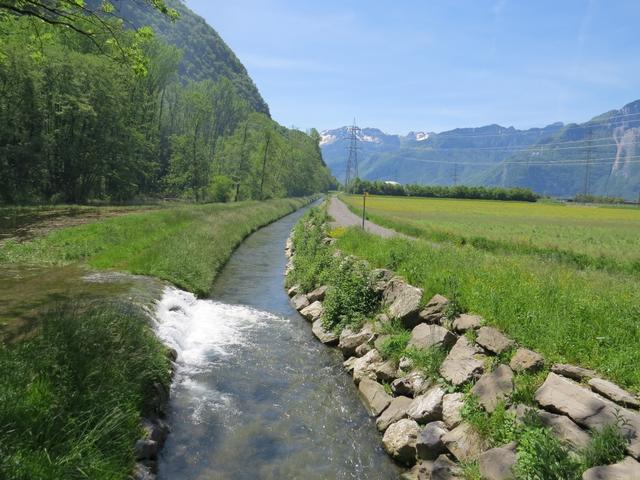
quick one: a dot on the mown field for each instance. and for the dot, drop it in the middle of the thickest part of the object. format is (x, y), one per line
(604, 237)
(79, 364)
(585, 313)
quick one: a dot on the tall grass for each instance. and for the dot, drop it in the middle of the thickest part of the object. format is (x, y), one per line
(186, 245)
(566, 314)
(71, 398)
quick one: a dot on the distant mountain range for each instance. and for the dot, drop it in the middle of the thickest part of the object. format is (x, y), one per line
(600, 156)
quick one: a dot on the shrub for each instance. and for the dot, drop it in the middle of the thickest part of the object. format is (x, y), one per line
(498, 427)
(542, 457)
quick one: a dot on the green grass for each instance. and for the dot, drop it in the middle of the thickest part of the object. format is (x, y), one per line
(598, 237)
(71, 398)
(185, 245)
(584, 317)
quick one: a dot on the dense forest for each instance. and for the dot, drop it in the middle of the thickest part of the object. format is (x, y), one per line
(92, 110)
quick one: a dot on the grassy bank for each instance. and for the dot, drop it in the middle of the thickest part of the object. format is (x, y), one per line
(185, 245)
(71, 398)
(72, 392)
(566, 314)
(553, 309)
(586, 237)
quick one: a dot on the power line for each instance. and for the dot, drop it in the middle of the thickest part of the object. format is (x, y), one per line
(577, 162)
(351, 172)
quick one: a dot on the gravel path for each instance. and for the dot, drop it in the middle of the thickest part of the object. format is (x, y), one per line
(343, 217)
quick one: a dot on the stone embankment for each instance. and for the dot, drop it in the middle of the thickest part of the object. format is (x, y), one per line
(420, 420)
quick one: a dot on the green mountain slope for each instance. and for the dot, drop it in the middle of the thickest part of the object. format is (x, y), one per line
(205, 55)
(598, 157)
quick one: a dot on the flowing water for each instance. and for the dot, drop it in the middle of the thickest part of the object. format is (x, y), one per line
(255, 395)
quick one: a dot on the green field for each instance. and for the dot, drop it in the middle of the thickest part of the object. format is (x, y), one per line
(586, 236)
(568, 312)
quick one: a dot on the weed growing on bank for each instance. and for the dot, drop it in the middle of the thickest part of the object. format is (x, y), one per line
(71, 397)
(185, 245)
(349, 300)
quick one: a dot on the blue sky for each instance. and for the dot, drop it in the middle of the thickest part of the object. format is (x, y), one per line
(434, 65)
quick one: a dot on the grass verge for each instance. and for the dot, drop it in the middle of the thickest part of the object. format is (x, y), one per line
(185, 245)
(71, 398)
(589, 318)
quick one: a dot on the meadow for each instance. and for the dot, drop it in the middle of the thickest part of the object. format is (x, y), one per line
(569, 312)
(602, 237)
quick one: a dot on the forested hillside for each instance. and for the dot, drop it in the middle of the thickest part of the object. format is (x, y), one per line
(102, 114)
(205, 56)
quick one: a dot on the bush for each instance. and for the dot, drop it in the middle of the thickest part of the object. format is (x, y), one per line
(542, 457)
(498, 427)
(350, 298)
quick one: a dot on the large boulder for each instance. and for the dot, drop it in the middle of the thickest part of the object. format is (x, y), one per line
(463, 363)
(385, 371)
(363, 367)
(411, 385)
(373, 396)
(350, 340)
(380, 278)
(452, 404)
(397, 410)
(318, 294)
(494, 387)
(400, 439)
(430, 445)
(525, 360)
(465, 322)
(613, 392)
(428, 336)
(565, 430)
(446, 469)
(325, 336)
(627, 469)
(293, 291)
(493, 340)
(403, 301)
(300, 301)
(349, 364)
(573, 372)
(588, 409)
(498, 463)
(464, 443)
(435, 310)
(427, 407)
(363, 349)
(313, 312)
(146, 449)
